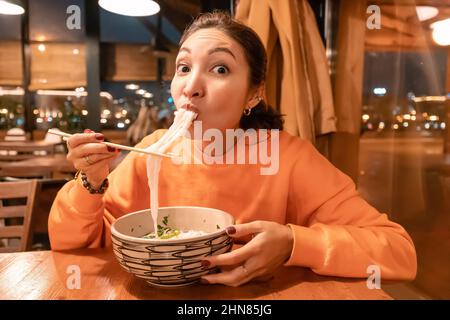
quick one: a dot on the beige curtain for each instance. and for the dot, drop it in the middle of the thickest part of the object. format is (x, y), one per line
(299, 83)
(298, 77)
(342, 147)
(349, 65)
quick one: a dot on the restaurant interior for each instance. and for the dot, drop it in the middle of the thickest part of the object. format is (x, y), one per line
(368, 83)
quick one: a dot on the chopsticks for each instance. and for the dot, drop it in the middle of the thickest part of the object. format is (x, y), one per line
(119, 146)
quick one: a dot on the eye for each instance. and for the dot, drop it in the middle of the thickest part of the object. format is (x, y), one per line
(183, 68)
(220, 69)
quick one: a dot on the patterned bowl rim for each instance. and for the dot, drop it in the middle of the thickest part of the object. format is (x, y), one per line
(124, 237)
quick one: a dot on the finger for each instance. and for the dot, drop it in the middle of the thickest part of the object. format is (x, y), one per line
(80, 138)
(93, 158)
(100, 164)
(66, 139)
(234, 257)
(245, 229)
(90, 148)
(234, 277)
(82, 165)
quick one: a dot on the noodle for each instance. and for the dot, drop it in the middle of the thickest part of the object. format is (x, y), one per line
(181, 123)
(177, 235)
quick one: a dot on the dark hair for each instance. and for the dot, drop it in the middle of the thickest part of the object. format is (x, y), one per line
(262, 115)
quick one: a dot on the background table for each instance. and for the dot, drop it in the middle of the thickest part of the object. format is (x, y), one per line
(48, 166)
(43, 275)
(27, 145)
(25, 149)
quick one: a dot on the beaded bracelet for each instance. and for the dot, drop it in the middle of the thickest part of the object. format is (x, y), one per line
(89, 188)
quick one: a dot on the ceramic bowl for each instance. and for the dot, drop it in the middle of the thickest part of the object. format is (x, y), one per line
(170, 263)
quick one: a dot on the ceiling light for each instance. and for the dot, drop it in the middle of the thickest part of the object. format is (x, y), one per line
(134, 8)
(426, 12)
(441, 33)
(131, 86)
(11, 7)
(379, 91)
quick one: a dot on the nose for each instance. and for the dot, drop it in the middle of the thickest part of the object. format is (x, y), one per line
(194, 87)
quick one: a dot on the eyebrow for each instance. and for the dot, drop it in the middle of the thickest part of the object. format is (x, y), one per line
(218, 49)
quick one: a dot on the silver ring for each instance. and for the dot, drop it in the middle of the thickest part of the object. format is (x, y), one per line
(86, 158)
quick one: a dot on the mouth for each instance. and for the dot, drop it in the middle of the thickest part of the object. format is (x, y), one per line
(190, 107)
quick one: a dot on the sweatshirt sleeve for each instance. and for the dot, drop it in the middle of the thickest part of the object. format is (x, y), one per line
(79, 219)
(336, 232)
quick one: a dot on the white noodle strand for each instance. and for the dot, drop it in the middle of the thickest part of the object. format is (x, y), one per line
(183, 120)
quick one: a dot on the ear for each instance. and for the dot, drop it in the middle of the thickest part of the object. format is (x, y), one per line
(255, 96)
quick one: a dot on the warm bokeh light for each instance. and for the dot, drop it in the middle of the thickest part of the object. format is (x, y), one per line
(135, 8)
(441, 34)
(41, 47)
(10, 8)
(426, 12)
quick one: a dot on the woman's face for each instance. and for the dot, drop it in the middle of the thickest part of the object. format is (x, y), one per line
(212, 73)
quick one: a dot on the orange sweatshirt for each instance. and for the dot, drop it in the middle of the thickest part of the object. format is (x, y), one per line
(336, 232)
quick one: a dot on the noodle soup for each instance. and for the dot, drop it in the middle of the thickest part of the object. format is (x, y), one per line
(165, 232)
(176, 235)
(168, 250)
(175, 261)
(182, 122)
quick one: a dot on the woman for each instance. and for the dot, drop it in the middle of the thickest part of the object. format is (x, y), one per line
(307, 214)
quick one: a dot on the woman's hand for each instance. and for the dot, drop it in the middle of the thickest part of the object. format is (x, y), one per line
(270, 247)
(90, 156)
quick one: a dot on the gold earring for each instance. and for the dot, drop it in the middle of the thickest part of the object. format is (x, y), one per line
(247, 111)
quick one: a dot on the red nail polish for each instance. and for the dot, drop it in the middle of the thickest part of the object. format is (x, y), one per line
(206, 263)
(111, 149)
(231, 230)
(99, 136)
(88, 131)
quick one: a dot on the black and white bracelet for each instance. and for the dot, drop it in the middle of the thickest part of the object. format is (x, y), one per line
(89, 188)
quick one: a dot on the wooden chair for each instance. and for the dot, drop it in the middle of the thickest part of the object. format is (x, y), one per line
(9, 193)
(46, 192)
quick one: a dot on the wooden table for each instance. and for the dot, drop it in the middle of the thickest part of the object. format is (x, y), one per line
(44, 165)
(26, 145)
(44, 274)
(25, 149)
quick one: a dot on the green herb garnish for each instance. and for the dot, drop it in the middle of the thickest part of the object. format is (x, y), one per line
(170, 234)
(164, 232)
